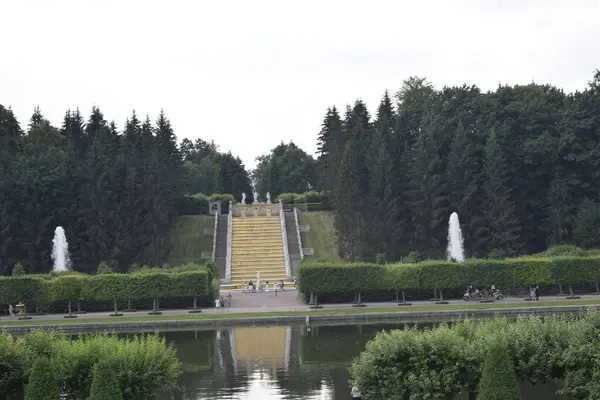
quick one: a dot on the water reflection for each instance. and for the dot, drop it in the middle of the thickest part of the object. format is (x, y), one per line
(280, 362)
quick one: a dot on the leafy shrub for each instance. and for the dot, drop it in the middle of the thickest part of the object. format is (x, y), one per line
(13, 366)
(440, 362)
(196, 204)
(105, 385)
(144, 367)
(498, 379)
(43, 384)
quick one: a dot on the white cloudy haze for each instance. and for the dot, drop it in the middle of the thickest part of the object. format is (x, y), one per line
(249, 74)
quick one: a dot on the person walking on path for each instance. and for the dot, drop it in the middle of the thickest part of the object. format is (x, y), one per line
(537, 293)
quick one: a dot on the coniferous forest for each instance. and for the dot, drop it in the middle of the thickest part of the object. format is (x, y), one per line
(520, 165)
(115, 193)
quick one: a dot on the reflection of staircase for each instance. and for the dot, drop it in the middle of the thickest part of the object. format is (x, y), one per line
(262, 347)
(256, 246)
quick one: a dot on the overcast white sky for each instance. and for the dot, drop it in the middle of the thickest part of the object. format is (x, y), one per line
(250, 74)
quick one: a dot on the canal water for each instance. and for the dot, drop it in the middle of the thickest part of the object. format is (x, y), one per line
(281, 362)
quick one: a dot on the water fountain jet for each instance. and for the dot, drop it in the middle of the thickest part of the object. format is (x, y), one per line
(455, 249)
(60, 251)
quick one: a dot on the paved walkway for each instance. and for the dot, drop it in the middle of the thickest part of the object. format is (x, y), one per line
(289, 301)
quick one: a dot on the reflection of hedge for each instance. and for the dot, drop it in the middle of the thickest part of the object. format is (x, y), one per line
(327, 278)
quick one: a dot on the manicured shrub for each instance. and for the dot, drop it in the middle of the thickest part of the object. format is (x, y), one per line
(115, 287)
(192, 283)
(67, 287)
(485, 273)
(530, 271)
(105, 385)
(26, 289)
(498, 379)
(196, 204)
(43, 384)
(404, 276)
(155, 285)
(320, 278)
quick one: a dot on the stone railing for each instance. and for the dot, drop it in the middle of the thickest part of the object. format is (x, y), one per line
(256, 210)
(229, 235)
(286, 252)
(298, 233)
(206, 255)
(215, 236)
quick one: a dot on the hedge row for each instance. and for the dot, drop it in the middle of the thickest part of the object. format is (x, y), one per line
(197, 204)
(116, 287)
(323, 198)
(327, 278)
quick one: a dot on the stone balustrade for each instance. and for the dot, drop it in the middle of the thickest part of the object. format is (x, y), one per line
(256, 210)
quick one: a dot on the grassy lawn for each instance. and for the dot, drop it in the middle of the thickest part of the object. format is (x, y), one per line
(321, 236)
(187, 240)
(324, 311)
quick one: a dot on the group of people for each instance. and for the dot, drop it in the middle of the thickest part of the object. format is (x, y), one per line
(222, 303)
(251, 287)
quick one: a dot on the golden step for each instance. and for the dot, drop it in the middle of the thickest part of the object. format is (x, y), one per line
(257, 246)
(257, 268)
(256, 264)
(264, 256)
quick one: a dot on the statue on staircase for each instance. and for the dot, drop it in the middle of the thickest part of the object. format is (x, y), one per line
(243, 198)
(268, 198)
(255, 194)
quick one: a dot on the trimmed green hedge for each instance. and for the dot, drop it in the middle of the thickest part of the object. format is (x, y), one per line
(327, 278)
(197, 204)
(148, 284)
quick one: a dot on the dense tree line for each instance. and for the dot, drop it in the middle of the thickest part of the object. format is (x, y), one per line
(115, 193)
(209, 171)
(519, 165)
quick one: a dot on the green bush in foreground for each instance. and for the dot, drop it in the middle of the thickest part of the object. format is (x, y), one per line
(443, 361)
(105, 385)
(43, 384)
(142, 367)
(498, 379)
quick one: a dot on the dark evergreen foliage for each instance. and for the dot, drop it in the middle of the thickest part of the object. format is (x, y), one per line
(516, 165)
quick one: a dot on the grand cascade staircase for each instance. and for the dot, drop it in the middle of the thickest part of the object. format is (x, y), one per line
(256, 246)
